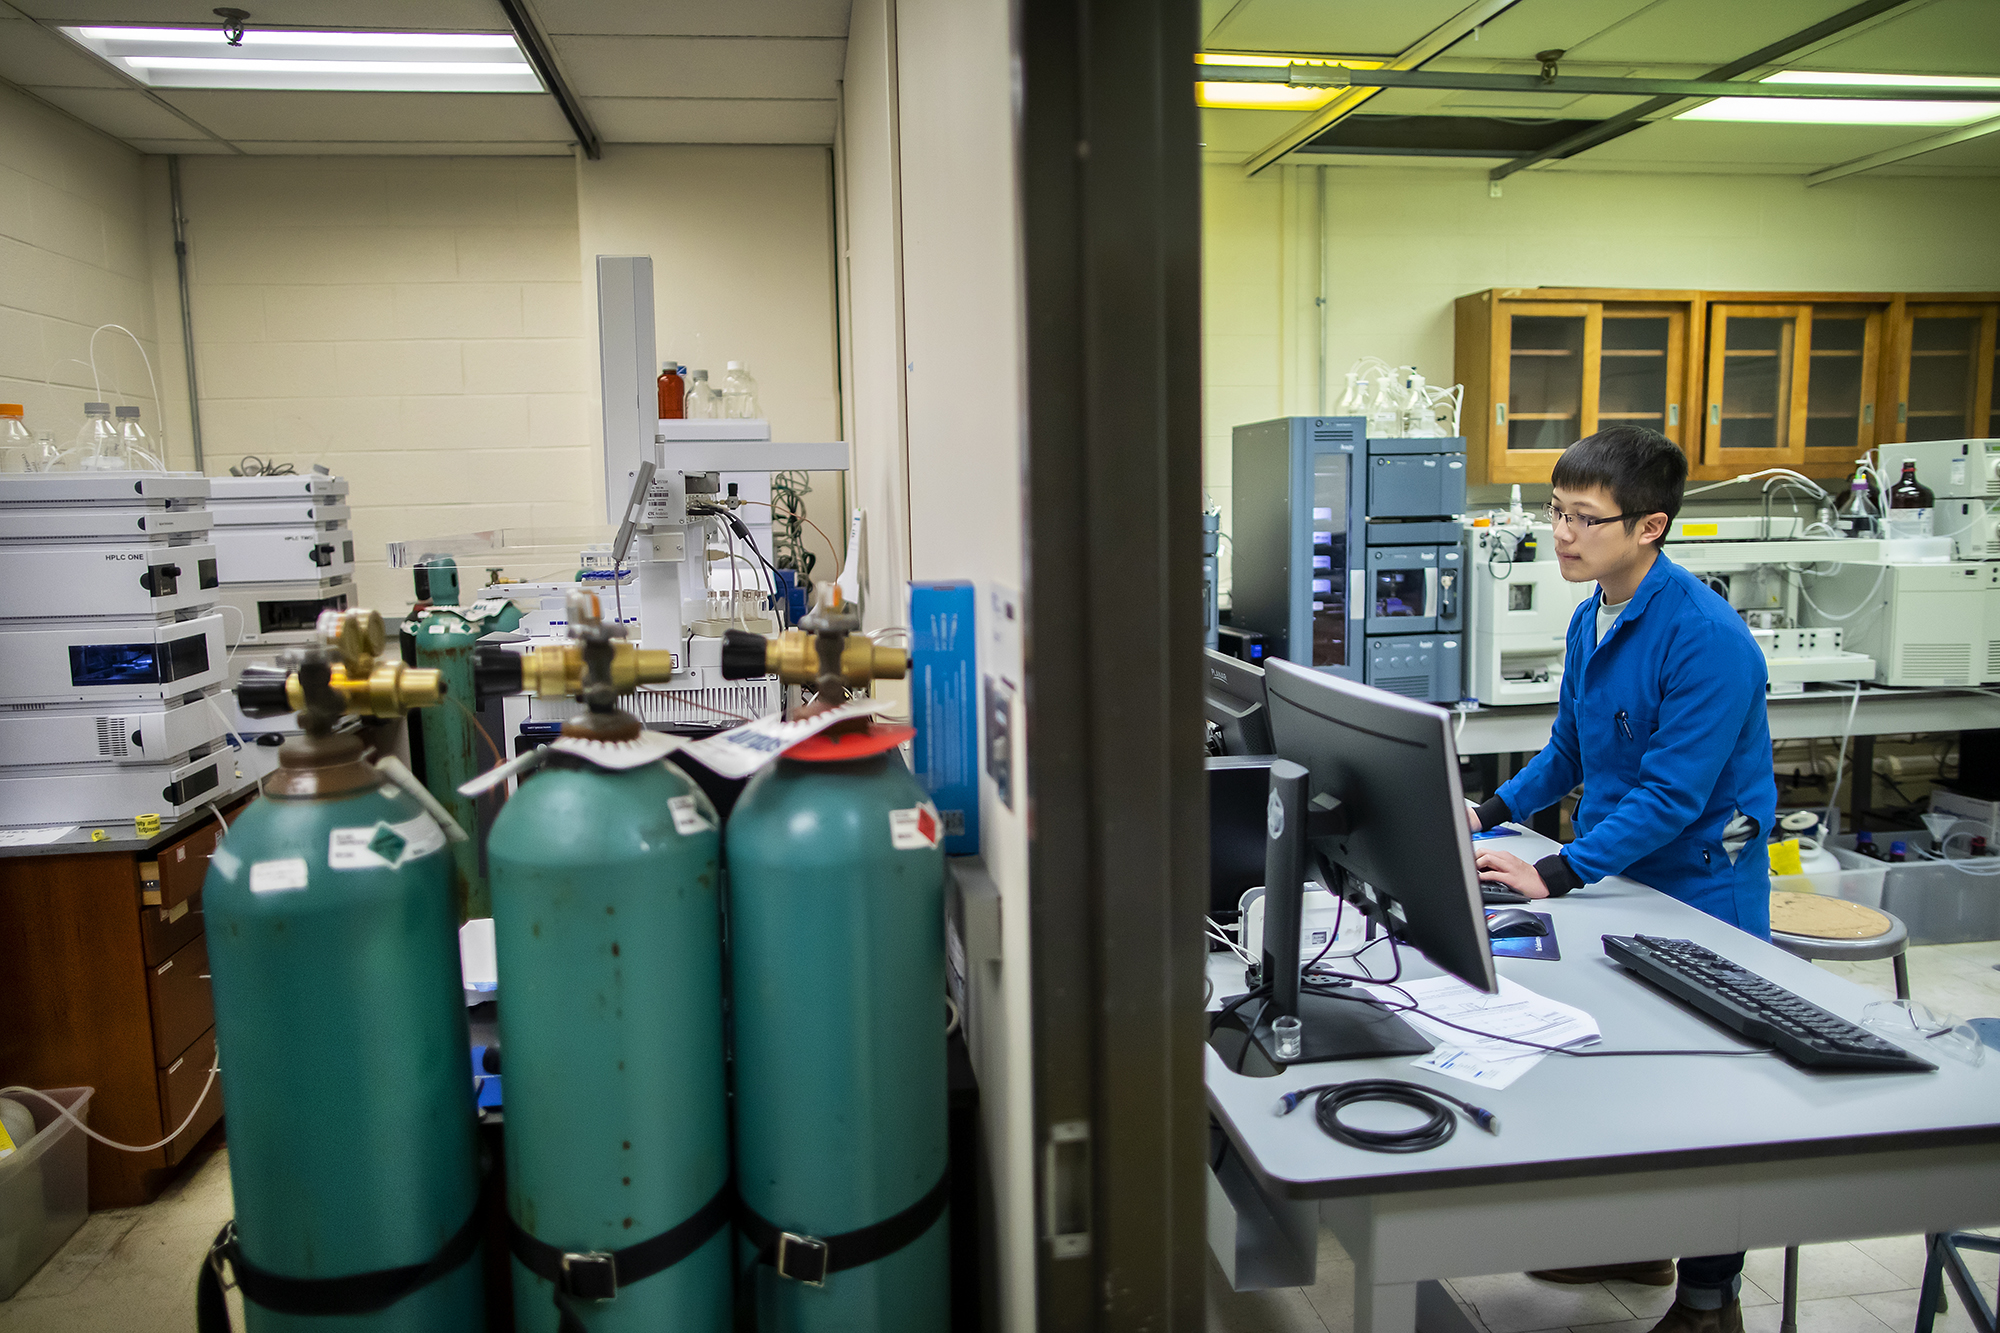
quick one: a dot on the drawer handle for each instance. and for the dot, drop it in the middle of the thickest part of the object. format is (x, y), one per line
(175, 1065)
(161, 970)
(202, 976)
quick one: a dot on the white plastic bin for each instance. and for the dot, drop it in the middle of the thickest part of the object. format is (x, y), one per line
(44, 1188)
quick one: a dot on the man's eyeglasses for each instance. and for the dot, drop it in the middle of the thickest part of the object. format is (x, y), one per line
(1582, 522)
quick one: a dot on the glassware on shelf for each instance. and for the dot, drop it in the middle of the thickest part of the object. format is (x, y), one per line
(1912, 506)
(140, 452)
(1857, 515)
(21, 451)
(672, 391)
(739, 394)
(699, 402)
(98, 447)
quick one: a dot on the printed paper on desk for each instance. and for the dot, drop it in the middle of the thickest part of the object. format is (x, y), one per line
(33, 837)
(741, 751)
(1515, 1012)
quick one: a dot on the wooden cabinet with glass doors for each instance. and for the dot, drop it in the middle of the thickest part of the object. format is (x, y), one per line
(1791, 383)
(1542, 367)
(1945, 369)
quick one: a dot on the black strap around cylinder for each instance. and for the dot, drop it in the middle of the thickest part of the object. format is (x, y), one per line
(349, 1294)
(597, 1275)
(806, 1258)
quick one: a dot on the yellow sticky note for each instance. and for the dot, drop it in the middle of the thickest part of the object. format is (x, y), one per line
(1785, 858)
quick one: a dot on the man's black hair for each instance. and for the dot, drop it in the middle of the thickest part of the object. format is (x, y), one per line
(1643, 469)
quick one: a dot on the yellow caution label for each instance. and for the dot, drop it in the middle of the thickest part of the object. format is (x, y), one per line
(1785, 858)
(1701, 529)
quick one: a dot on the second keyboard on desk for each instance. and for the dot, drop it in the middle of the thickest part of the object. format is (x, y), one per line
(1763, 1011)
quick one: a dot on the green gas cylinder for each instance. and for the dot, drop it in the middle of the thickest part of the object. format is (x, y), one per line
(340, 1026)
(444, 639)
(836, 911)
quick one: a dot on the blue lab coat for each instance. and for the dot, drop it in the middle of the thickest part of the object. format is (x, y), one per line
(1664, 725)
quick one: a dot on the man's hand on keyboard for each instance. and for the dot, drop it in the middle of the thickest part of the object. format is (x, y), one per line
(1512, 871)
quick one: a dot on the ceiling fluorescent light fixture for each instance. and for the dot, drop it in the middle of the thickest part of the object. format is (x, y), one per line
(1773, 110)
(410, 62)
(1277, 95)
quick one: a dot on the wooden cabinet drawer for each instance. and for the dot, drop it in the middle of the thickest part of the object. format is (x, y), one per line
(180, 868)
(183, 1005)
(165, 931)
(181, 1082)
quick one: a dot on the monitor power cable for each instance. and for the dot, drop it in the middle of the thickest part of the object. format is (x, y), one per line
(1437, 1129)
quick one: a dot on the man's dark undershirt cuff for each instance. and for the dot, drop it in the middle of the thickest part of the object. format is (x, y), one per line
(1557, 875)
(1493, 813)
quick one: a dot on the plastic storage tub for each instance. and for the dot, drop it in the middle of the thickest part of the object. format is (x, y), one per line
(44, 1188)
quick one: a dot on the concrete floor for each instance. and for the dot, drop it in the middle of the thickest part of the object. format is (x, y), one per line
(132, 1270)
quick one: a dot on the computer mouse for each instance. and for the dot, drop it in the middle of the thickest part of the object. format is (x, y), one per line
(1512, 923)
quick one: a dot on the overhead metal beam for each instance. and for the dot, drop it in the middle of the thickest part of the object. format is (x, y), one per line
(1977, 130)
(1433, 43)
(543, 57)
(1327, 76)
(1628, 120)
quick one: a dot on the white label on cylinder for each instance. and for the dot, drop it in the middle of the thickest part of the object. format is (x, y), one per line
(383, 846)
(278, 876)
(687, 815)
(915, 829)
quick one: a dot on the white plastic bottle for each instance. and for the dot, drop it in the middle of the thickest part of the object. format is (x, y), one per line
(98, 446)
(739, 394)
(699, 402)
(139, 451)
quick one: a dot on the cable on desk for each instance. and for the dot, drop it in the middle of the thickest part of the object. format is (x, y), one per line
(1412, 1008)
(1332, 1097)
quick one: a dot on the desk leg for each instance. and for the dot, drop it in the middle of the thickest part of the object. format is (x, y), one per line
(1385, 1307)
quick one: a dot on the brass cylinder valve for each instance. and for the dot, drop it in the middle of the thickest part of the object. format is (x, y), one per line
(359, 683)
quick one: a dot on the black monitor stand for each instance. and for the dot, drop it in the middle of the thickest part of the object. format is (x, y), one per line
(1354, 1028)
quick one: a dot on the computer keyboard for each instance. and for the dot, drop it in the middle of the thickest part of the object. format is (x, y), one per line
(1744, 1002)
(1492, 891)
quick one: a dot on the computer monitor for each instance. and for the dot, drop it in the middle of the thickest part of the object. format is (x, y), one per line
(1369, 784)
(1239, 792)
(1232, 699)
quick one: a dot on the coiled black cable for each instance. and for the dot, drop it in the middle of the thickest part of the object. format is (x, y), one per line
(1434, 1131)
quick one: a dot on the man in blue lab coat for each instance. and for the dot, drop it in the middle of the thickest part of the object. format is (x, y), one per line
(1662, 720)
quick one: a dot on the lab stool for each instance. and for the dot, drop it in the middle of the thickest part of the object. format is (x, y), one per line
(1812, 925)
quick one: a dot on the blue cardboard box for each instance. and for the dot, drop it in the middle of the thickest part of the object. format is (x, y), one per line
(944, 705)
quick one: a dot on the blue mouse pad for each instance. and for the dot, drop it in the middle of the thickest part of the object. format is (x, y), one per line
(1530, 946)
(1502, 832)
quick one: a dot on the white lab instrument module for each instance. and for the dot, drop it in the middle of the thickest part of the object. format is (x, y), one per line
(132, 579)
(1973, 525)
(95, 795)
(1793, 658)
(1923, 624)
(280, 615)
(121, 735)
(290, 528)
(111, 661)
(1958, 469)
(1519, 618)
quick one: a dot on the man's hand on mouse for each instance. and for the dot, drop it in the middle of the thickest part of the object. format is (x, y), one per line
(1512, 871)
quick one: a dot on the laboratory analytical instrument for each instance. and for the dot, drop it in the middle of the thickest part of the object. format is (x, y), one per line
(333, 945)
(606, 881)
(68, 765)
(1761, 1010)
(141, 579)
(1921, 624)
(284, 528)
(1518, 614)
(1339, 540)
(1951, 468)
(281, 615)
(834, 840)
(80, 661)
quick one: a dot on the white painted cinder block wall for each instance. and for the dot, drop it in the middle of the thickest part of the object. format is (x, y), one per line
(1402, 244)
(414, 324)
(73, 256)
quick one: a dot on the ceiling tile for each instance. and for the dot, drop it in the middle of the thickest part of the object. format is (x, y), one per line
(1344, 27)
(1531, 26)
(1702, 32)
(720, 120)
(405, 15)
(128, 114)
(1944, 37)
(701, 66)
(695, 18)
(329, 118)
(1696, 143)
(34, 57)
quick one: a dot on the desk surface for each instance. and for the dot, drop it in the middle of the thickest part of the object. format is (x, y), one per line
(1817, 712)
(1568, 1117)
